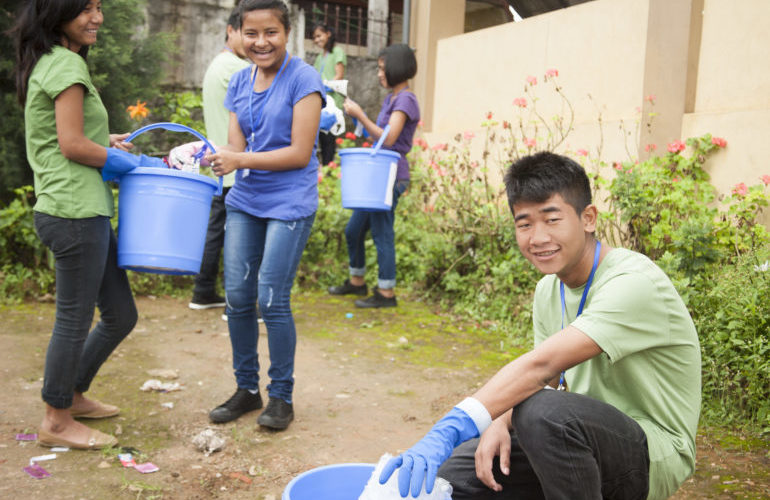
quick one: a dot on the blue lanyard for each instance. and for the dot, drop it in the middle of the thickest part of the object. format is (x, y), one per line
(582, 300)
(270, 89)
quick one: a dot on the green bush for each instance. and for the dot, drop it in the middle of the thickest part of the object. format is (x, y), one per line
(731, 311)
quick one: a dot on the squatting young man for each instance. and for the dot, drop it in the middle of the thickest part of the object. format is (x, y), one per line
(610, 327)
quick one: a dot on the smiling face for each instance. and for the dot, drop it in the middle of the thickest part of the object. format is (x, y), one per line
(264, 39)
(381, 73)
(81, 31)
(320, 38)
(555, 239)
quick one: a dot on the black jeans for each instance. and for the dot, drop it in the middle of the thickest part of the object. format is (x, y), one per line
(87, 274)
(563, 446)
(206, 279)
(327, 143)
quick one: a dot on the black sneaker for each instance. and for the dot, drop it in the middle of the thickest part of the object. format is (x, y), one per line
(206, 301)
(376, 300)
(348, 288)
(241, 402)
(277, 415)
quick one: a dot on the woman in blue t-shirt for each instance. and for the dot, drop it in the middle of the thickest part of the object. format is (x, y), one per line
(275, 108)
(396, 65)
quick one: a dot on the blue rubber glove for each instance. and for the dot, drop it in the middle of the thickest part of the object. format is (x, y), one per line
(120, 162)
(328, 119)
(430, 452)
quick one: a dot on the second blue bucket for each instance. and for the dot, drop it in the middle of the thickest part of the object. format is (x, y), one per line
(331, 482)
(163, 215)
(368, 176)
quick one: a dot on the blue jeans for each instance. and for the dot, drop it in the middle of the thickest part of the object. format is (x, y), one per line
(563, 446)
(87, 274)
(261, 259)
(381, 226)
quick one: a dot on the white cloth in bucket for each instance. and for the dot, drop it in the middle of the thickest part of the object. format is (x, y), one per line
(188, 157)
(442, 490)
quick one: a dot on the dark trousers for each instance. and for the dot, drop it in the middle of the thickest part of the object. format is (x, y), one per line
(563, 446)
(328, 146)
(87, 274)
(206, 279)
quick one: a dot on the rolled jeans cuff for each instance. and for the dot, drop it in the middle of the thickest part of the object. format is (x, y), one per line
(386, 284)
(357, 271)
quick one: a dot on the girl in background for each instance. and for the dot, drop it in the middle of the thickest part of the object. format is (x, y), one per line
(396, 65)
(275, 109)
(330, 63)
(68, 141)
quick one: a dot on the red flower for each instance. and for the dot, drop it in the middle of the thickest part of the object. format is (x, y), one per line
(520, 102)
(320, 177)
(650, 148)
(551, 73)
(582, 152)
(676, 147)
(675, 179)
(339, 141)
(718, 141)
(350, 135)
(440, 146)
(332, 164)
(617, 165)
(530, 143)
(740, 189)
(468, 135)
(506, 124)
(531, 80)
(366, 145)
(489, 115)
(766, 179)
(650, 98)
(420, 123)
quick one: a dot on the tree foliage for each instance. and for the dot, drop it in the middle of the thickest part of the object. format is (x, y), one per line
(126, 64)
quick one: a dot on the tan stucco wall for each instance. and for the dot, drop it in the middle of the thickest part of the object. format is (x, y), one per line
(732, 99)
(702, 59)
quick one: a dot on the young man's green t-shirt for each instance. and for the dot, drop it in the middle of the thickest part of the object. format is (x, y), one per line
(64, 188)
(650, 367)
(215, 116)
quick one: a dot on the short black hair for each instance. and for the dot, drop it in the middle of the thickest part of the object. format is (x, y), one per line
(400, 63)
(537, 177)
(234, 21)
(328, 29)
(276, 5)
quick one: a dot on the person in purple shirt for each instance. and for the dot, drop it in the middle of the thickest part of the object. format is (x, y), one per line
(275, 109)
(396, 65)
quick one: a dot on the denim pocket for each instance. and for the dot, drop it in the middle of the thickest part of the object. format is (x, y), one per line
(57, 233)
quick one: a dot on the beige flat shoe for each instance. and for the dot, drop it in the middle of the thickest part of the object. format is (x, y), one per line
(102, 410)
(96, 440)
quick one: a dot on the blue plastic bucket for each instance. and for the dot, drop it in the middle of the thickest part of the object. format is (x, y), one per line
(331, 482)
(163, 215)
(368, 176)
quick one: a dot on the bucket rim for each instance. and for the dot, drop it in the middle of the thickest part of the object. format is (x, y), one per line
(319, 469)
(368, 151)
(171, 172)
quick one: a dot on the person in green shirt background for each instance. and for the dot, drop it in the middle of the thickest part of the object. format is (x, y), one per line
(331, 63)
(72, 154)
(230, 60)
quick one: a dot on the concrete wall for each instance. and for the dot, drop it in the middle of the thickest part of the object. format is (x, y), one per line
(703, 60)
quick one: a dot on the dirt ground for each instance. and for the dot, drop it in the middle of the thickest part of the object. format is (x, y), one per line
(365, 385)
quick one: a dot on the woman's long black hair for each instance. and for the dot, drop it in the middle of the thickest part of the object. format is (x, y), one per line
(38, 28)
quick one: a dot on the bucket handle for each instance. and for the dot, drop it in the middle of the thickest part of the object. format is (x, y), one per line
(176, 127)
(381, 140)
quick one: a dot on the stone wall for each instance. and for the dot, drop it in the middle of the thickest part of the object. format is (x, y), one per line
(199, 30)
